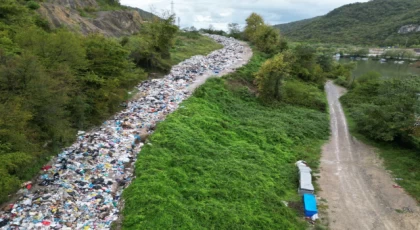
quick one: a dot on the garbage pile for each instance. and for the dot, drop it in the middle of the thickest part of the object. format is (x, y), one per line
(81, 188)
(305, 179)
(306, 189)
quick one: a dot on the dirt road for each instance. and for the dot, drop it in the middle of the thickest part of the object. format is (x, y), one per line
(359, 192)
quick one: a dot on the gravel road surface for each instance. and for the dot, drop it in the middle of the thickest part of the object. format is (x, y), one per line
(359, 191)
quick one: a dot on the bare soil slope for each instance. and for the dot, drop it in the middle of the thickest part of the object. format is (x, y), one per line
(65, 13)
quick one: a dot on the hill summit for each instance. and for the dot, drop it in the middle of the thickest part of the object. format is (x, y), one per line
(377, 22)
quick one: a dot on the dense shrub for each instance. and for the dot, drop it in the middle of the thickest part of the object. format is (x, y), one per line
(33, 5)
(305, 95)
(341, 81)
(265, 38)
(386, 109)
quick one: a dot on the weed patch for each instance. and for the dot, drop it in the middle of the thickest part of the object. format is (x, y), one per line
(224, 161)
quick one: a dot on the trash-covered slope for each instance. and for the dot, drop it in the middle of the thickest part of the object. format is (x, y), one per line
(81, 188)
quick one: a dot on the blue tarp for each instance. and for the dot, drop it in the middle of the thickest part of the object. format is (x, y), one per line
(309, 204)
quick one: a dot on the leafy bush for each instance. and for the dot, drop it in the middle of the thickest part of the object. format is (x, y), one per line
(11, 173)
(385, 109)
(151, 48)
(33, 5)
(305, 95)
(266, 38)
(342, 81)
(270, 77)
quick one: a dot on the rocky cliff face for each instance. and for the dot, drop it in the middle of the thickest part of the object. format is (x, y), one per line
(409, 29)
(66, 13)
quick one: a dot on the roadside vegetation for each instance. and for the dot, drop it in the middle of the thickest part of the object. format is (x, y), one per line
(225, 159)
(385, 113)
(54, 83)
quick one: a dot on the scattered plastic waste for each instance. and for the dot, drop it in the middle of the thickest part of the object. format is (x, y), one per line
(81, 188)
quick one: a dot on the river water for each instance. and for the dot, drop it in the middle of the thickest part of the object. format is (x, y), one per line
(387, 69)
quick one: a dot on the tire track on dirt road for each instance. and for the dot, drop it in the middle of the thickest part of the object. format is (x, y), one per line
(357, 188)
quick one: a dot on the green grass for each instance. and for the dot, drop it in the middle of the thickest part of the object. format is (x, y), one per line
(224, 161)
(187, 46)
(402, 162)
(109, 5)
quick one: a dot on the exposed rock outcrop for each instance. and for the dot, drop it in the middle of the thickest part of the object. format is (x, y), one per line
(65, 13)
(409, 29)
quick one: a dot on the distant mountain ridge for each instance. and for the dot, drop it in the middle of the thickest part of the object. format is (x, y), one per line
(377, 22)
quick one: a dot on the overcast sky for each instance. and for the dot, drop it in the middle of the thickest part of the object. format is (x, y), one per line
(202, 13)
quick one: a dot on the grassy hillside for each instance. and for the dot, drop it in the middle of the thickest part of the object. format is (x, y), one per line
(292, 26)
(225, 161)
(373, 23)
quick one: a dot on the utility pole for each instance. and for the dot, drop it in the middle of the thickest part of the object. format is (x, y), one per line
(173, 12)
(179, 22)
(172, 7)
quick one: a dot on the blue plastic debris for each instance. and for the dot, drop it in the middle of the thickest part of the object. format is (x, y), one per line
(309, 204)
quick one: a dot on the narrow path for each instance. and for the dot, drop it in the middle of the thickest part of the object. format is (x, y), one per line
(359, 191)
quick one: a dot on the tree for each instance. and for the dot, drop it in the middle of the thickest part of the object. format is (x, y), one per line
(254, 21)
(192, 29)
(12, 12)
(161, 34)
(385, 110)
(151, 48)
(211, 28)
(305, 62)
(325, 61)
(270, 76)
(234, 30)
(267, 39)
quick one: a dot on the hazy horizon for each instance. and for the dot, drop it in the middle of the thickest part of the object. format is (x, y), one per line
(202, 13)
